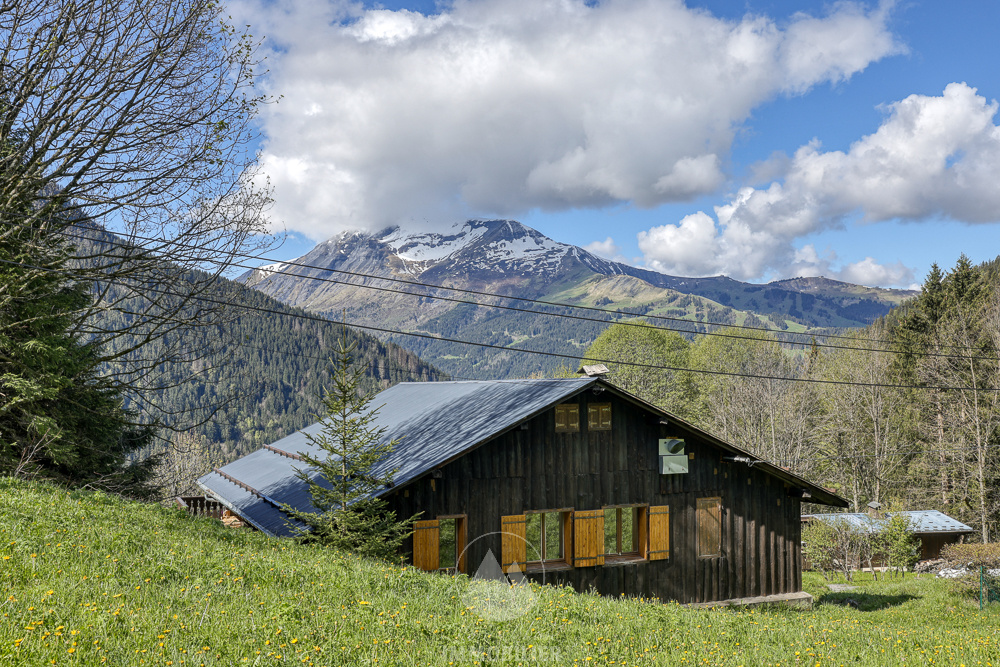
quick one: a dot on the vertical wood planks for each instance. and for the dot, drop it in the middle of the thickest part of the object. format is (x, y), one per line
(426, 546)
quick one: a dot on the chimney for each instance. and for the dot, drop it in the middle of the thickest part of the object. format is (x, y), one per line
(597, 370)
(874, 510)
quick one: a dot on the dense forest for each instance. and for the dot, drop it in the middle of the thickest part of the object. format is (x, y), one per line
(248, 379)
(905, 412)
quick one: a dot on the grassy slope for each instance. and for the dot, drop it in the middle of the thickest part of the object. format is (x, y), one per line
(89, 579)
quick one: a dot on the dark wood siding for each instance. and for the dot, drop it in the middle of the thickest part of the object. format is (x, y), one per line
(534, 468)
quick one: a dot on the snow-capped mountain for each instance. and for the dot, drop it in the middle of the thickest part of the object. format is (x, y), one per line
(506, 258)
(481, 248)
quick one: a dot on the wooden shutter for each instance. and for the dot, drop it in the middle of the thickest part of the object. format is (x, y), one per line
(460, 537)
(709, 521)
(513, 542)
(588, 538)
(426, 545)
(568, 418)
(659, 532)
(599, 416)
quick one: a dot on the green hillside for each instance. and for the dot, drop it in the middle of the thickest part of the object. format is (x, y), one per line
(88, 579)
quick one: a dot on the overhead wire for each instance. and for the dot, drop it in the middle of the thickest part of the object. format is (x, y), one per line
(617, 313)
(507, 348)
(306, 316)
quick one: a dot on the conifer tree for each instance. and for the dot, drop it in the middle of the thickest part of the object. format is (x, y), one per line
(344, 481)
(60, 418)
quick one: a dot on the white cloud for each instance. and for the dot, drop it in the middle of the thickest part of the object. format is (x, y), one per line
(870, 272)
(496, 107)
(932, 157)
(606, 249)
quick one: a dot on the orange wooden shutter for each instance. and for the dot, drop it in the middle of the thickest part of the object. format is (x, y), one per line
(659, 532)
(709, 519)
(642, 530)
(513, 542)
(426, 545)
(460, 537)
(561, 418)
(588, 538)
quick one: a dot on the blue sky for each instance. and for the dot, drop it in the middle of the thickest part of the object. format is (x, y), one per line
(761, 140)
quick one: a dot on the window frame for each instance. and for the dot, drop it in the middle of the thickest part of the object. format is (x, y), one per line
(569, 424)
(565, 526)
(460, 538)
(640, 515)
(599, 424)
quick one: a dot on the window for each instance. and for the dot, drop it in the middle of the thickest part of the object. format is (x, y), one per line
(567, 418)
(599, 417)
(545, 533)
(438, 544)
(621, 534)
(448, 544)
(709, 522)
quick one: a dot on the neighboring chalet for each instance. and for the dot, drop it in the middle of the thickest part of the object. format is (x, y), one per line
(934, 529)
(572, 481)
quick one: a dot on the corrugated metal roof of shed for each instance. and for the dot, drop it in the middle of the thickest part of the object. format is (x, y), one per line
(260, 514)
(924, 521)
(933, 521)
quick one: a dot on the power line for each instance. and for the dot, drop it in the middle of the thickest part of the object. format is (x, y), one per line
(616, 313)
(506, 348)
(576, 357)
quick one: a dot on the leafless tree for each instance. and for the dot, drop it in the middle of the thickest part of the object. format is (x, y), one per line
(759, 407)
(126, 131)
(863, 432)
(970, 414)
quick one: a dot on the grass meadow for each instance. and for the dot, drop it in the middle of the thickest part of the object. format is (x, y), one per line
(89, 579)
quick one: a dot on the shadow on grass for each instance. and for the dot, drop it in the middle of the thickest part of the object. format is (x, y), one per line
(864, 601)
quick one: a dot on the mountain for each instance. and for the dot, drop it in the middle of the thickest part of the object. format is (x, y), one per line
(505, 258)
(254, 376)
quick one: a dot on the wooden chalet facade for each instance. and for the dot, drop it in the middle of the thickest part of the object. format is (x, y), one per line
(582, 484)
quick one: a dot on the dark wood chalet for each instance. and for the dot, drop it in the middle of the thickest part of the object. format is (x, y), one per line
(571, 482)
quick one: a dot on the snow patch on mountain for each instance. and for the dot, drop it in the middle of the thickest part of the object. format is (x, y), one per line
(277, 267)
(431, 247)
(517, 243)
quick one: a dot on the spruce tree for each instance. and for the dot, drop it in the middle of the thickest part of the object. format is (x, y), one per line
(343, 480)
(60, 418)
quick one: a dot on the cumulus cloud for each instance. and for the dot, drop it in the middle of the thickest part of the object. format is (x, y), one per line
(606, 249)
(496, 107)
(932, 157)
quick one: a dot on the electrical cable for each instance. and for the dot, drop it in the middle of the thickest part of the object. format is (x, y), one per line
(506, 348)
(617, 313)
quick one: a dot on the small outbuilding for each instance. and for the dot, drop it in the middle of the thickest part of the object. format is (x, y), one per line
(934, 529)
(570, 481)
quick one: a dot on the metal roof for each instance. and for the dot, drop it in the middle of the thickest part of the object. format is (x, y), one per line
(922, 521)
(434, 423)
(932, 521)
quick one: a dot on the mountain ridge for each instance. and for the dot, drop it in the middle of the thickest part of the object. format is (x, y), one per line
(510, 261)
